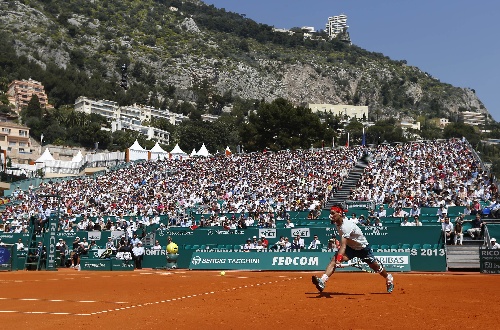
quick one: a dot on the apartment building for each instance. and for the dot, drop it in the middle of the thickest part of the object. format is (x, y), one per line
(346, 112)
(336, 25)
(473, 118)
(15, 139)
(20, 93)
(130, 117)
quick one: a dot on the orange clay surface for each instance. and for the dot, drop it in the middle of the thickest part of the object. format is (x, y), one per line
(183, 299)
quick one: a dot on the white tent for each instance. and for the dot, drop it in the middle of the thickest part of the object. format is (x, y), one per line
(177, 152)
(45, 157)
(136, 146)
(136, 152)
(78, 157)
(193, 153)
(203, 151)
(157, 152)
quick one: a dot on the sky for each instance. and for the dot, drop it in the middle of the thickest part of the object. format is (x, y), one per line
(455, 41)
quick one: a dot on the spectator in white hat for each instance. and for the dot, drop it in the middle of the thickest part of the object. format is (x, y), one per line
(494, 244)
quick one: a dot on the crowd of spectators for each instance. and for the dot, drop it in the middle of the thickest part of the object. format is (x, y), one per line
(262, 185)
(257, 189)
(429, 174)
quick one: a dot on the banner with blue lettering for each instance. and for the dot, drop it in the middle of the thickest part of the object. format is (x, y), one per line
(305, 261)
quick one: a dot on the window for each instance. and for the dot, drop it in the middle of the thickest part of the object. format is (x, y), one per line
(23, 133)
(6, 130)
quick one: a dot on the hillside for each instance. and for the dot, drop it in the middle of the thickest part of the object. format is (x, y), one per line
(175, 49)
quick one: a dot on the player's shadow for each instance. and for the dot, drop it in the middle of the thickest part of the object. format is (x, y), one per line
(331, 294)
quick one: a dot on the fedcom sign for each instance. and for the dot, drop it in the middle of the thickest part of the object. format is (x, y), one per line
(260, 260)
(296, 261)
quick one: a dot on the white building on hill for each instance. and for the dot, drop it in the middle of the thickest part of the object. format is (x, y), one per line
(130, 117)
(344, 111)
(336, 25)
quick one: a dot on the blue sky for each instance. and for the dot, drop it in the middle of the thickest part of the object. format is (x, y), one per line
(456, 41)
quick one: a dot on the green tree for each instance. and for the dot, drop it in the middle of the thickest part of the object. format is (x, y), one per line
(279, 125)
(34, 109)
(459, 130)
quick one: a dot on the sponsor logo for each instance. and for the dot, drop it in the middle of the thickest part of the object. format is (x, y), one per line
(490, 253)
(95, 265)
(196, 260)
(394, 260)
(303, 232)
(177, 233)
(225, 232)
(267, 233)
(63, 234)
(52, 244)
(94, 236)
(380, 231)
(155, 252)
(296, 261)
(491, 265)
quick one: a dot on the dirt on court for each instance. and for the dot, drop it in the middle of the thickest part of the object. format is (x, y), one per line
(183, 299)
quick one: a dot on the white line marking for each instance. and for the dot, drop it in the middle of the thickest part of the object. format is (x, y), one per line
(133, 306)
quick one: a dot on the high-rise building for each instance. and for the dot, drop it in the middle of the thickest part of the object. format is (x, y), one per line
(336, 25)
(20, 93)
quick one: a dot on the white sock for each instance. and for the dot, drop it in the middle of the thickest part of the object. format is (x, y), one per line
(324, 278)
(389, 278)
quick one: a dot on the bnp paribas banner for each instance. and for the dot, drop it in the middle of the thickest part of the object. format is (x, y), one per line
(398, 262)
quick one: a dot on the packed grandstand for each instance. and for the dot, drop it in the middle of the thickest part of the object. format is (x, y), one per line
(426, 174)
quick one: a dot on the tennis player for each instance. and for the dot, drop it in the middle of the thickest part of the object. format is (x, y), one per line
(352, 244)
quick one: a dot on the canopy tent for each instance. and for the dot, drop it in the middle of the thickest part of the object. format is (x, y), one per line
(78, 157)
(136, 152)
(46, 156)
(136, 146)
(157, 152)
(228, 151)
(177, 152)
(203, 151)
(193, 153)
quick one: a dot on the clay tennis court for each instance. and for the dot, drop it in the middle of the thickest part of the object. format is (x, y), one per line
(183, 299)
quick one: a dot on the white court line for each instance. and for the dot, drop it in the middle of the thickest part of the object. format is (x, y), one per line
(138, 305)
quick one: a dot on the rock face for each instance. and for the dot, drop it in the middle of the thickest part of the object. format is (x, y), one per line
(299, 75)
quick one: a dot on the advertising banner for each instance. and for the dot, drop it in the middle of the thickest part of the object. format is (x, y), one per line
(304, 261)
(489, 260)
(94, 236)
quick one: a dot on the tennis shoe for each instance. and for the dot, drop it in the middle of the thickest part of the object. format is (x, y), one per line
(390, 283)
(320, 285)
